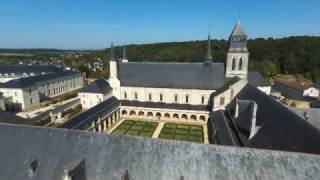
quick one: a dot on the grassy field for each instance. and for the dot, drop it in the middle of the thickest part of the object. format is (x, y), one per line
(136, 128)
(16, 54)
(182, 132)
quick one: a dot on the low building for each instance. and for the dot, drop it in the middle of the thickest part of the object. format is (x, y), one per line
(27, 93)
(295, 90)
(95, 93)
(10, 72)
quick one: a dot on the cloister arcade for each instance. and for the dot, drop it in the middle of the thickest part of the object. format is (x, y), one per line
(163, 114)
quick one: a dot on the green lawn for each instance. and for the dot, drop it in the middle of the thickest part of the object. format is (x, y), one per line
(182, 132)
(136, 128)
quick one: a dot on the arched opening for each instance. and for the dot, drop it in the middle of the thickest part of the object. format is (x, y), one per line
(184, 116)
(124, 112)
(150, 114)
(132, 113)
(176, 116)
(158, 115)
(193, 117)
(240, 64)
(202, 118)
(167, 115)
(233, 63)
(141, 113)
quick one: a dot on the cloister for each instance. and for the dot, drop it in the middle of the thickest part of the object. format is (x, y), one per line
(164, 114)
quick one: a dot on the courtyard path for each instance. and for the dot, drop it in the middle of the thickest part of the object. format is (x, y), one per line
(158, 130)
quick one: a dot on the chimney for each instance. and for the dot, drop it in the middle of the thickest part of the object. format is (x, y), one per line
(254, 127)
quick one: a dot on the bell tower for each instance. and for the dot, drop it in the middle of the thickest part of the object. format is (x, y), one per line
(238, 54)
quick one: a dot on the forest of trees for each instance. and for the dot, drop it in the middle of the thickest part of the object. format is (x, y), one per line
(292, 55)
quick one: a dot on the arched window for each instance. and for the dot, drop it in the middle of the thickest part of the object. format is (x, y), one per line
(135, 96)
(161, 97)
(240, 64)
(176, 98)
(187, 98)
(221, 100)
(125, 95)
(233, 63)
(150, 97)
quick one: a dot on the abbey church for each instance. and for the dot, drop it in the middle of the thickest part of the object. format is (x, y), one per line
(184, 90)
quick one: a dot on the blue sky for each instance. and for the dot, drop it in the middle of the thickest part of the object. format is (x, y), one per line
(94, 24)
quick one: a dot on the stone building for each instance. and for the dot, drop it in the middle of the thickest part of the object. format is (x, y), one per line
(10, 72)
(164, 90)
(27, 93)
(95, 93)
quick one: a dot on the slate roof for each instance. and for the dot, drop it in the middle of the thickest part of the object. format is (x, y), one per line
(256, 78)
(105, 107)
(172, 75)
(11, 118)
(281, 129)
(33, 80)
(113, 157)
(312, 113)
(316, 84)
(224, 129)
(227, 85)
(100, 86)
(164, 105)
(238, 30)
(20, 69)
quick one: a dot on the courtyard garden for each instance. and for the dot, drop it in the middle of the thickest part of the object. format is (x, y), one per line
(136, 128)
(183, 132)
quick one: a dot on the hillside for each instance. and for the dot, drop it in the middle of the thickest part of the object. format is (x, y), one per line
(292, 55)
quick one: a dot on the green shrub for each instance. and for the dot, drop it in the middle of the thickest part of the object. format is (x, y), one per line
(199, 128)
(167, 130)
(170, 125)
(182, 131)
(136, 127)
(181, 126)
(195, 133)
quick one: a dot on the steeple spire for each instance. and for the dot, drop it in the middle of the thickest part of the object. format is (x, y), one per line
(208, 54)
(113, 56)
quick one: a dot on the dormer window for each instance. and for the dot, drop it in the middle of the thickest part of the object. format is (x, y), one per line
(33, 167)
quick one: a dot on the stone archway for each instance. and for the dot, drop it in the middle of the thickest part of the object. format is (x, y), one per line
(202, 118)
(184, 116)
(193, 117)
(132, 113)
(149, 114)
(141, 113)
(167, 115)
(124, 112)
(158, 115)
(175, 116)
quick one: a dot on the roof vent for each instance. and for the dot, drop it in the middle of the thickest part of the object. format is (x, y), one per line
(33, 167)
(77, 173)
(126, 176)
